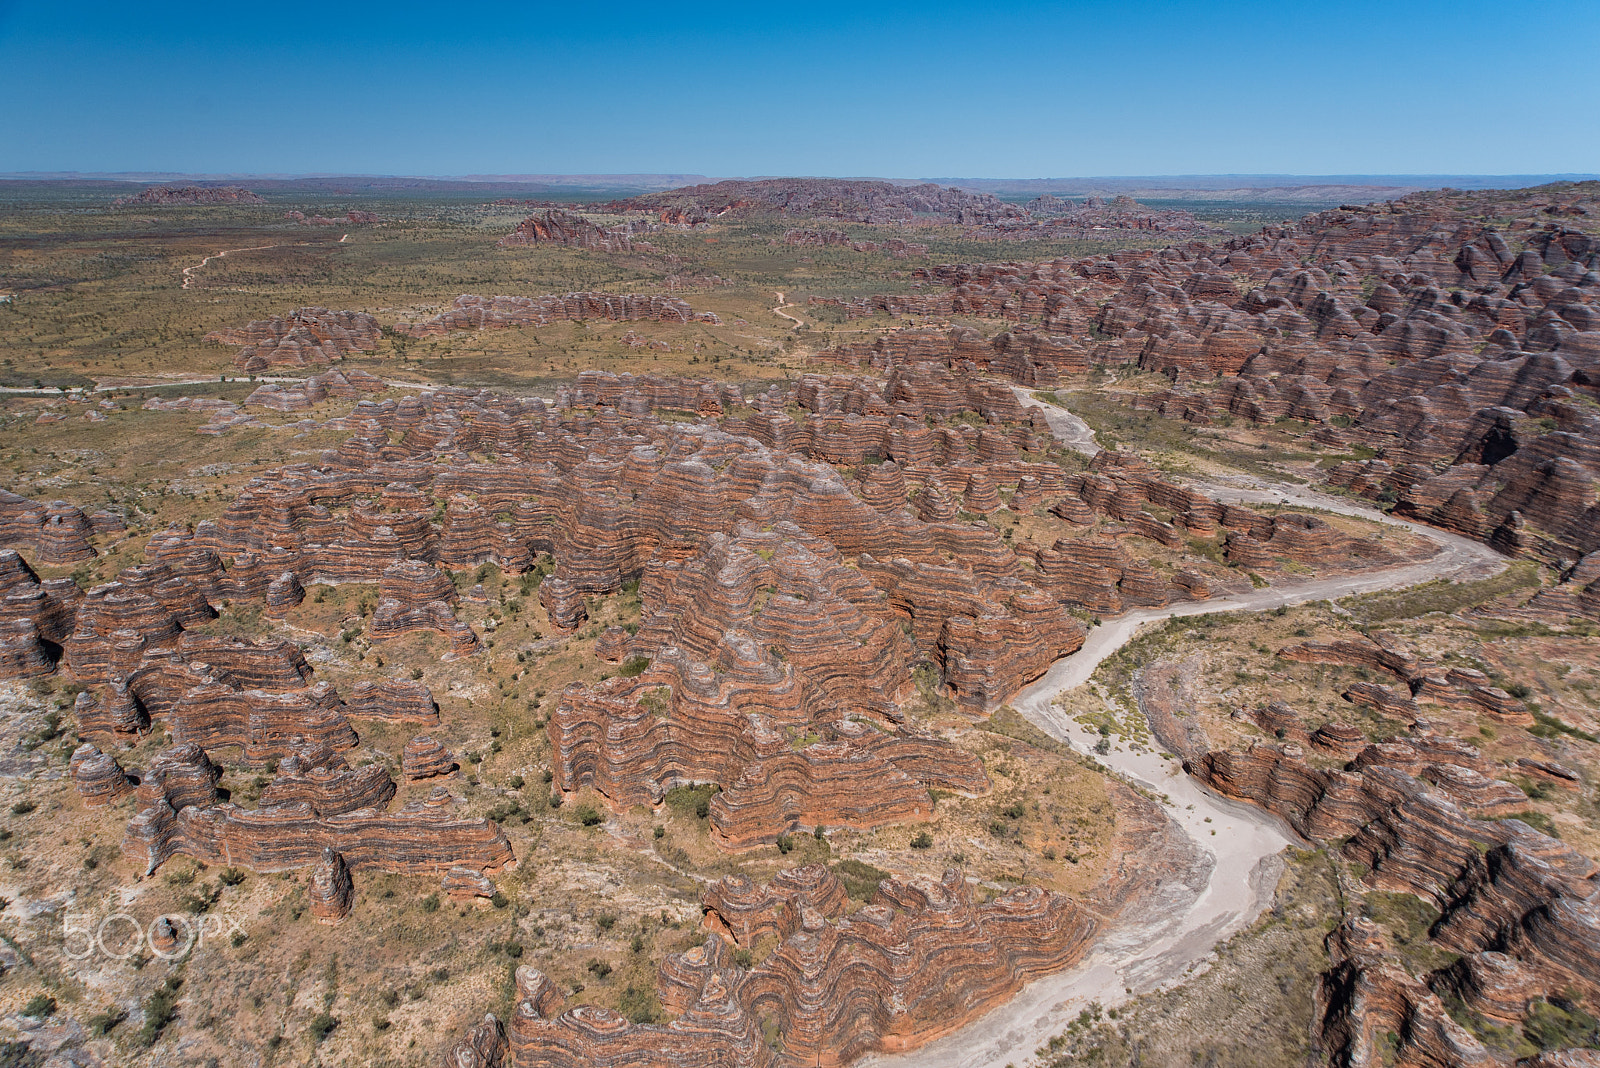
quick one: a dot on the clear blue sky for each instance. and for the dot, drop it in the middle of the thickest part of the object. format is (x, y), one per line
(903, 90)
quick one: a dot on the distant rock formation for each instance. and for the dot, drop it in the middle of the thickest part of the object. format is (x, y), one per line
(557, 227)
(1057, 220)
(827, 198)
(192, 194)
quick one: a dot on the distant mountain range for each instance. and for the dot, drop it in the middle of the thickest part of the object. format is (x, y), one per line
(1288, 188)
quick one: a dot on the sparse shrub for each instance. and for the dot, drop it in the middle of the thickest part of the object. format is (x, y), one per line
(922, 840)
(639, 1005)
(588, 816)
(322, 1025)
(160, 1009)
(430, 903)
(102, 1023)
(40, 1006)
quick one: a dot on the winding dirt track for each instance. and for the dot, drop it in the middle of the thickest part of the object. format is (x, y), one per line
(1236, 871)
(188, 272)
(782, 304)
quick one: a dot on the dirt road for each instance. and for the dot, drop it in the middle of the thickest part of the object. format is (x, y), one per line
(782, 304)
(188, 272)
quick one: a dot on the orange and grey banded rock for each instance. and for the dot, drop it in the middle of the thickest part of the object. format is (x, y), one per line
(331, 889)
(98, 777)
(425, 758)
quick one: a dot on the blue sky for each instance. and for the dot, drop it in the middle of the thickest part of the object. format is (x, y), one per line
(902, 90)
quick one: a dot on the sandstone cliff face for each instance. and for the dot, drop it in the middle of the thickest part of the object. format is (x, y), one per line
(1519, 906)
(425, 837)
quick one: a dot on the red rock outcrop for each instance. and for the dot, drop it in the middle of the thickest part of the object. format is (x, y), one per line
(330, 890)
(1499, 886)
(919, 962)
(308, 337)
(192, 194)
(465, 884)
(827, 198)
(1450, 328)
(556, 227)
(743, 911)
(317, 777)
(98, 777)
(414, 595)
(182, 775)
(425, 758)
(394, 701)
(54, 533)
(314, 390)
(425, 837)
(1368, 996)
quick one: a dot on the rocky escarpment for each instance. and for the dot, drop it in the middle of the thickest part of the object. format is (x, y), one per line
(893, 246)
(1424, 681)
(557, 227)
(35, 618)
(1455, 334)
(1027, 356)
(782, 605)
(308, 337)
(920, 961)
(1095, 218)
(192, 194)
(826, 198)
(1521, 908)
(424, 837)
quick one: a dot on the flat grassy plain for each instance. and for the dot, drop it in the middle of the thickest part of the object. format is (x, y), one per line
(97, 290)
